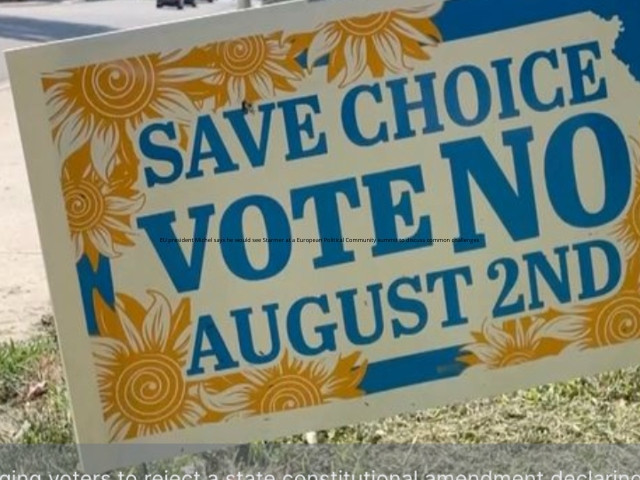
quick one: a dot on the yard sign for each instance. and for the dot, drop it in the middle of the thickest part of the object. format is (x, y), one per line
(313, 214)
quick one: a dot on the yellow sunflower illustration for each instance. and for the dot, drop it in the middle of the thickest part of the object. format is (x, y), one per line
(388, 42)
(522, 340)
(628, 229)
(291, 384)
(100, 103)
(611, 322)
(98, 212)
(140, 359)
(251, 68)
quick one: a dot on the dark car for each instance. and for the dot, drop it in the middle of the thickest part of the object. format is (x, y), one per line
(175, 3)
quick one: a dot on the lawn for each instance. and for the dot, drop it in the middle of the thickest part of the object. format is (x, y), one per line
(601, 409)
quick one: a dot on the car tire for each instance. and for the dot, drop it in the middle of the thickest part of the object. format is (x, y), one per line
(180, 4)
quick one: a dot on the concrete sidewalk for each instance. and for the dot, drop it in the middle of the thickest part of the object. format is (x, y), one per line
(24, 294)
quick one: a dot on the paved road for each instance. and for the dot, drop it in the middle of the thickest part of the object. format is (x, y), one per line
(22, 25)
(24, 296)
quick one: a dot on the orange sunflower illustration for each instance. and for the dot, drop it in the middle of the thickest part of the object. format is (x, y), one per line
(251, 68)
(520, 341)
(140, 359)
(289, 385)
(388, 42)
(100, 103)
(98, 212)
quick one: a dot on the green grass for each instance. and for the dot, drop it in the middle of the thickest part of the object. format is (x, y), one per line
(17, 364)
(50, 420)
(33, 419)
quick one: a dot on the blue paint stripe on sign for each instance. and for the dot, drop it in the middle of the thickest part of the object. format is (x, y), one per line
(413, 369)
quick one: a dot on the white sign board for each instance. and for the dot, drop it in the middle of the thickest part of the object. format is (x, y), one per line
(312, 214)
